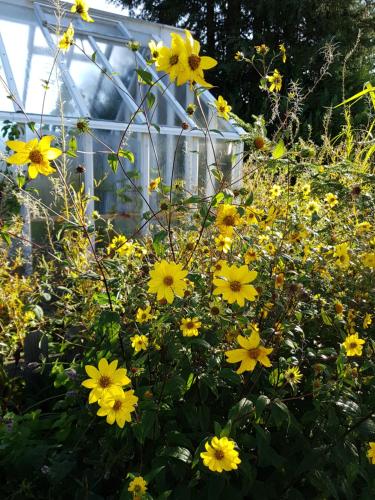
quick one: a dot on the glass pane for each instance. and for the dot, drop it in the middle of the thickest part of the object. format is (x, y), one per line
(98, 91)
(123, 62)
(119, 196)
(5, 103)
(32, 64)
(225, 161)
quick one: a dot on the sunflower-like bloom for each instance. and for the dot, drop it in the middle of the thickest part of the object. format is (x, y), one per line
(353, 345)
(367, 320)
(167, 280)
(143, 315)
(227, 218)
(292, 375)
(262, 49)
(190, 327)
(222, 107)
(104, 378)
(252, 352)
(276, 81)
(196, 64)
(67, 39)
(82, 8)
(275, 191)
(368, 259)
(154, 184)
(220, 455)
(138, 487)
(37, 154)
(343, 258)
(117, 406)
(155, 49)
(371, 453)
(250, 255)
(363, 227)
(223, 243)
(173, 59)
(331, 199)
(233, 284)
(139, 342)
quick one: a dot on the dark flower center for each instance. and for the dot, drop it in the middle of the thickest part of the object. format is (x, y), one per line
(173, 60)
(254, 353)
(36, 156)
(219, 455)
(168, 281)
(104, 381)
(235, 286)
(117, 405)
(194, 62)
(229, 220)
(215, 310)
(352, 345)
(190, 325)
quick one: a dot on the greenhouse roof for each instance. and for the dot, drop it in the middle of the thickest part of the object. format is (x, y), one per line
(78, 84)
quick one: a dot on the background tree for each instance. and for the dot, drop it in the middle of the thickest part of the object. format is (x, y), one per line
(304, 26)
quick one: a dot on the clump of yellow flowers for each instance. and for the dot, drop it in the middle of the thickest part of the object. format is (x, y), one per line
(106, 383)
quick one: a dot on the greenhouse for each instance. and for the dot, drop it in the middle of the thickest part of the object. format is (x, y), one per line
(98, 80)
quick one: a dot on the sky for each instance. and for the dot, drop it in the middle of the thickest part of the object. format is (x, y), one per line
(103, 5)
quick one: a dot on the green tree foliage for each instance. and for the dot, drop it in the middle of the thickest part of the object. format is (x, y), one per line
(304, 26)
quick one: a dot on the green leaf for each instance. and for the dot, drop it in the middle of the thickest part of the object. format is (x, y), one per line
(260, 404)
(144, 76)
(279, 150)
(108, 325)
(113, 162)
(125, 153)
(177, 452)
(150, 99)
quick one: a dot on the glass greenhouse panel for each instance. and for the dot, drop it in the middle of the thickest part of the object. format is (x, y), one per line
(120, 192)
(39, 86)
(224, 160)
(5, 102)
(124, 63)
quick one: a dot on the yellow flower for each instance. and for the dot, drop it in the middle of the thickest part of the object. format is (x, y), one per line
(266, 309)
(239, 56)
(251, 215)
(120, 245)
(341, 252)
(104, 378)
(82, 8)
(331, 199)
(339, 308)
(306, 190)
(117, 406)
(36, 153)
(167, 280)
(227, 218)
(292, 375)
(223, 108)
(262, 49)
(275, 81)
(154, 184)
(250, 354)
(233, 284)
(283, 52)
(139, 342)
(363, 227)
(138, 487)
(312, 207)
(367, 320)
(143, 315)
(155, 49)
(250, 255)
(173, 60)
(275, 191)
(270, 248)
(353, 345)
(220, 455)
(368, 259)
(196, 64)
(67, 40)
(216, 308)
(189, 327)
(371, 453)
(223, 243)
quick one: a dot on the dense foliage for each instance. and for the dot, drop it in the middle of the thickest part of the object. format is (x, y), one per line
(228, 353)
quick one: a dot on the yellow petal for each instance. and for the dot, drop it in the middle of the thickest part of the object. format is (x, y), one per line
(33, 171)
(18, 158)
(53, 153)
(17, 146)
(208, 62)
(92, 372)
